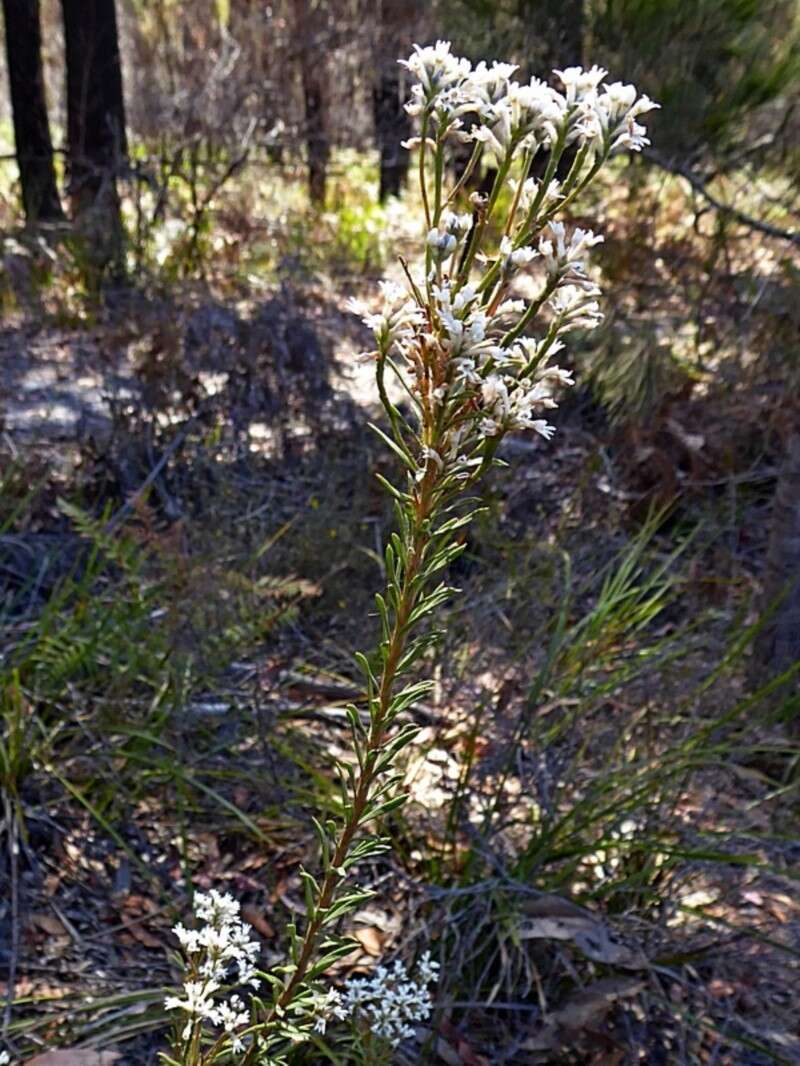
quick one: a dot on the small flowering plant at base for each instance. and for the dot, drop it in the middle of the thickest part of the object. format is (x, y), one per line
(218, 960)
(474, 362)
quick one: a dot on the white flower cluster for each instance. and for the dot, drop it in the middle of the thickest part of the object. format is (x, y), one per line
(498, 379)
(219, 956)
(397, 319)
(5, 1058)
(563, 256)
(388, 1002)
(507, 115)
(445, 238)
(463, 350)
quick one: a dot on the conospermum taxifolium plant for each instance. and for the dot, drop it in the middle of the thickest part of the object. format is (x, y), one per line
(474, 363)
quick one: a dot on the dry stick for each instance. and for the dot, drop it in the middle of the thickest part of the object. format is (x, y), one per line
(131, 503)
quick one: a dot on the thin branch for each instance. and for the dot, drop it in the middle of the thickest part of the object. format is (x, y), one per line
(699, 186)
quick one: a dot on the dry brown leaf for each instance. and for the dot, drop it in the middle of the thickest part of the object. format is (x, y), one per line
(582, 1008)
(554, 918)
(370, 939)
(146, 938)
(137, 905)
(255, 917)
(594, 1000)
(47, 923)
(75, 1056)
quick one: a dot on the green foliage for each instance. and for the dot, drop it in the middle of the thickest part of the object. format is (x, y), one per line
(620, 732)
(709, 63)
(633, 373)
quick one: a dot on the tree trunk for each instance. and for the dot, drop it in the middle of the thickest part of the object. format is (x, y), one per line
(560, 26)
(392, 124)
(563, 23)
(31, 128)
(778, 645)
(97, 145)
(313, 74)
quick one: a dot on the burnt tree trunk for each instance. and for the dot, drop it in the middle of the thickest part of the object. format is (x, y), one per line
(561, 26)
(392, 124)
(392, 127)
(778, 645)
(313, 76)
(97, 146)
(31, 128)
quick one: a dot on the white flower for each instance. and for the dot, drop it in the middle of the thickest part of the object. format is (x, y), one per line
(215, 940)
(562, 257)
(611, 118)
(189, 938)
(198, 1003)
(248, 975)
(397, 319)
(543, 428)
(490, 84)
(197, 998)
(512, 259)
(391, 292)
(530, 192)
(527, 116)
(240, 943)
(216, 908)
(556, 375)
(494, 392)
(5, 1058)
(533, 353)
(456, 225)
(436, 68)
(232, 1015)
(427, 969)
(391, 1000)
(579, 83)
(329, 1005)
(441, 243)
(491, 139)
(510, 307)
(576, 308)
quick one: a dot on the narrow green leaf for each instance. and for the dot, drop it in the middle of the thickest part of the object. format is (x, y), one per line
(401, 453)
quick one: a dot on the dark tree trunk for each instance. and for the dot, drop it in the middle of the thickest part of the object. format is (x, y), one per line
(313, 74)
(396, 19)
(562, 26)
(392, 126)
(778, 645)
(317, 143)
(31, 128)
(95, 108)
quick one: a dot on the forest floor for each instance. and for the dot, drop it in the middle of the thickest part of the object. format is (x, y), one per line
(182, 692)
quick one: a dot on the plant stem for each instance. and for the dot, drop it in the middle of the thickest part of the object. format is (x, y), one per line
(397, 640)
(423, 188)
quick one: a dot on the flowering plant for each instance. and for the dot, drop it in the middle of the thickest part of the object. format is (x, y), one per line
(474, 363)
(218, 958)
